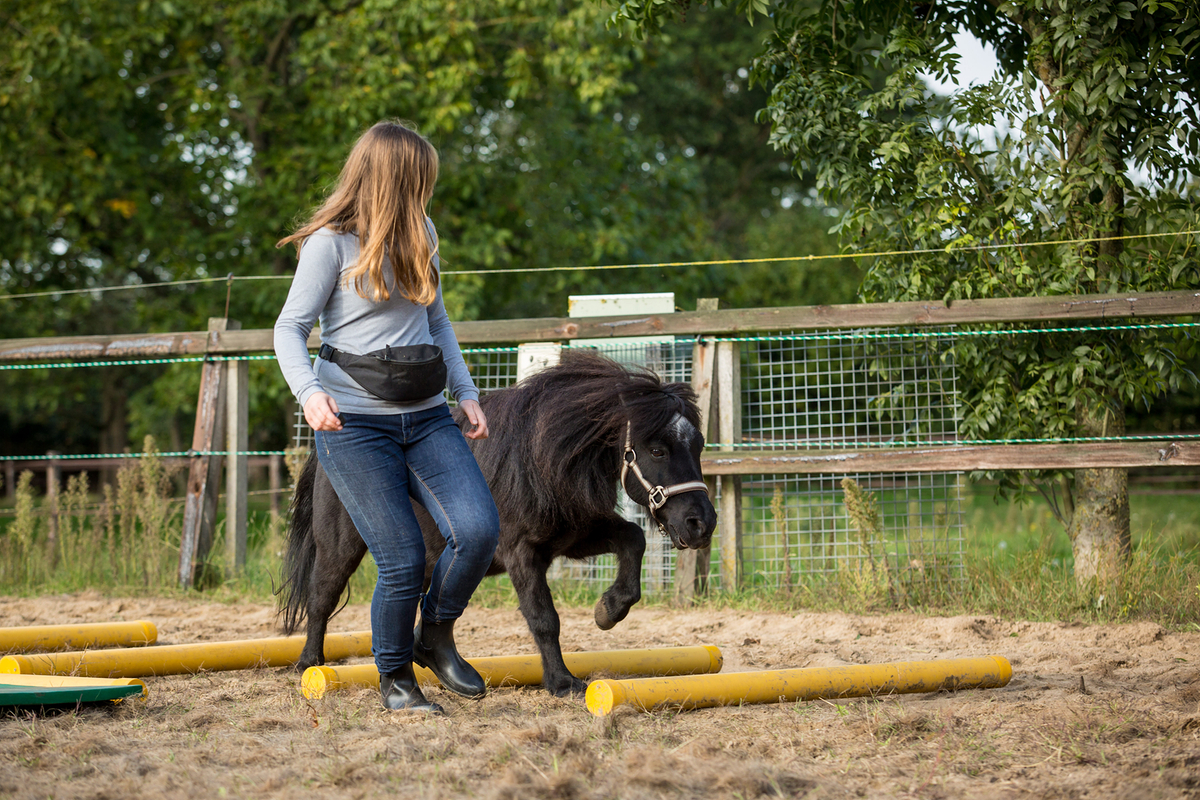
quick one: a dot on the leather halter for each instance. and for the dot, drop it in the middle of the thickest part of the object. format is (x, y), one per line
(657, 495)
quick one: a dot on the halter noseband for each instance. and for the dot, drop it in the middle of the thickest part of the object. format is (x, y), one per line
(657, 495)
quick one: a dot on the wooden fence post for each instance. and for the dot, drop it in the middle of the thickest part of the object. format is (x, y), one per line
(691, 566)
(204, 473)
(729, 429)
(52, 481)
(237, 440)
(275, 481)
(10, 480)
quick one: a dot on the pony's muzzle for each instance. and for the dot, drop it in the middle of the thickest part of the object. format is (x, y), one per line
(699, 533)
(694, 531)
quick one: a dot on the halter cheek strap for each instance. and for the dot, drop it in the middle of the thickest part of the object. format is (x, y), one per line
(657, 495)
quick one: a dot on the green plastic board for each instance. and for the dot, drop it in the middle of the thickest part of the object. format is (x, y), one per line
(12, 695)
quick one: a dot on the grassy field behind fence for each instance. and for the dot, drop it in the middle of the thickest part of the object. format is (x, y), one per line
(125, 539)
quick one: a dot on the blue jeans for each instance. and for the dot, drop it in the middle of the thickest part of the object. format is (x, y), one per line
(376, 463)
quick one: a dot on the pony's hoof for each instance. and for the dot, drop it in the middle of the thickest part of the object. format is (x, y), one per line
(604, 620)
(568, 688)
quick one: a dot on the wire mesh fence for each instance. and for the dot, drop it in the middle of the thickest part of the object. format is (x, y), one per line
(798, 528)
(802, 390)
(856, 388)
(859, 387)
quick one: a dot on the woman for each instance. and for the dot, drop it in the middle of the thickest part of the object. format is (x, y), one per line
(369, 270)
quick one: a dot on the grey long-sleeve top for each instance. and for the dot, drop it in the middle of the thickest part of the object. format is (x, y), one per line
(357, 325)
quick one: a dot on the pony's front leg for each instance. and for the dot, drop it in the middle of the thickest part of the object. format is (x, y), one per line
(527, 569)
(628, 543)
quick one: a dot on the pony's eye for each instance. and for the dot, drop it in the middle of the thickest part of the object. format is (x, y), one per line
(657, 452)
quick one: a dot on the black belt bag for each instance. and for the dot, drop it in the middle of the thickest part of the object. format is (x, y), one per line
(398, 374)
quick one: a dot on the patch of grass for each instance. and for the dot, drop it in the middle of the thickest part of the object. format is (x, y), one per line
(1019, 563)
(128, 540)
(1167, 523)
(1158, 586)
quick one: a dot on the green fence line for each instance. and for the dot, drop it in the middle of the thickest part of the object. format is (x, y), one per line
(949, 334)
(802, 444)
(134, 362)
(711, 447)
(780, 337)
(173, 454)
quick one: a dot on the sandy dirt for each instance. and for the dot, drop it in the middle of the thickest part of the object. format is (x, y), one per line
(1092, 711)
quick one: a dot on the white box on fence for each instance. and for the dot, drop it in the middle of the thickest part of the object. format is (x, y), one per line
(615, 305)
(534, 357)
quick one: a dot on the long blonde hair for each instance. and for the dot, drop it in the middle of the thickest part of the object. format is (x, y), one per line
(381, 196)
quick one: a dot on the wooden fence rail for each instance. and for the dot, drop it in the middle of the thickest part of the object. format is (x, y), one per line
(956, 458)
(728, 322)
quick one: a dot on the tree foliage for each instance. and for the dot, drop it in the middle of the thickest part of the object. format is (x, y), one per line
(1088, 133)
(155, 141)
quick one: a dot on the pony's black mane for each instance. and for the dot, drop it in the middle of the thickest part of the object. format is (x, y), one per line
(557, 436)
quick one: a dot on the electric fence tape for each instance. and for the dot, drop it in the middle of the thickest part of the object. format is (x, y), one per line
(659, 265)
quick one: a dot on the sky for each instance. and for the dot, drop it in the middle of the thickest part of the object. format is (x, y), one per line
(977, 64)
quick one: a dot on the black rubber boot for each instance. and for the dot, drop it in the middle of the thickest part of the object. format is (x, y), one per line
(433, 648)
(400, 692)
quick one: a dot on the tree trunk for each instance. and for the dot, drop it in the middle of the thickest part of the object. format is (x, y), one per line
(113, 430)
(1099, 529)
(1100, 525)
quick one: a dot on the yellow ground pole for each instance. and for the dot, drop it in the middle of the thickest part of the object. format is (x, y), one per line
(89, 634)
(704, 691)
(184, 658)
(526, 670)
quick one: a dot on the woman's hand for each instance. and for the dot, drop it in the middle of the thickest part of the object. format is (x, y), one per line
(321, 412)
(479, 429)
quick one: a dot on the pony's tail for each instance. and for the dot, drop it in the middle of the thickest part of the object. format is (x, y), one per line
(301, 553)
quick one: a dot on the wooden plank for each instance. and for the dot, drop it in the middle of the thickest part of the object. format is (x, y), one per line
(53, 478)
(704, 358)
(275, 481)
(200, 505)
(729, 421)
(257, 340)
(956, 458)
(687, 562)
(727, 322)
(86, 348)
(141, 345)
(237, 440)
(760, 320)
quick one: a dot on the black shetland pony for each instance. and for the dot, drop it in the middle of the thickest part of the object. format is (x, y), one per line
(558, 444)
